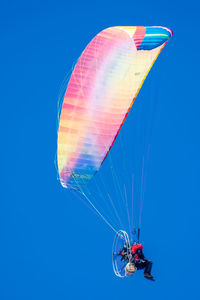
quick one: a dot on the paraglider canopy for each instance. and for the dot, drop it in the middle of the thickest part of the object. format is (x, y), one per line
(100, 93)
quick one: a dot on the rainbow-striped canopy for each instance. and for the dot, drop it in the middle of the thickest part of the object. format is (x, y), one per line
(99, 95)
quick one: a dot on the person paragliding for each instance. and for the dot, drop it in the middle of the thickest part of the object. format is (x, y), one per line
(137, 260)
(102, 89)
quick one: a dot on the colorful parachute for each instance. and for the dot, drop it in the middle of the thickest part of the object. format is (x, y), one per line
(100, 93)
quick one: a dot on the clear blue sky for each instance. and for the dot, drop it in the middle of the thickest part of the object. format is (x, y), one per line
(50, 242)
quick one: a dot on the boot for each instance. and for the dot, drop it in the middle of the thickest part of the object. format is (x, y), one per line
(149, 276)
